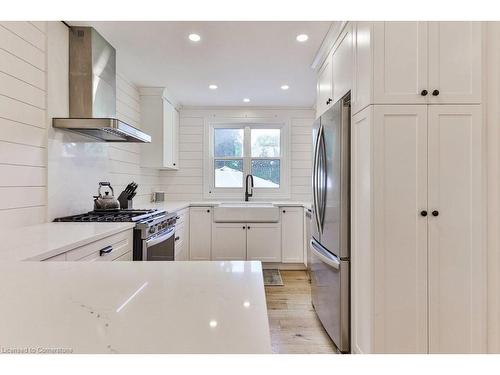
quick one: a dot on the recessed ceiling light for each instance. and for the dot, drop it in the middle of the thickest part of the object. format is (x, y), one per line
(213, 323)
(285, 87)
(194, 37)
(302, 37)
(246, 100)
(213, 87)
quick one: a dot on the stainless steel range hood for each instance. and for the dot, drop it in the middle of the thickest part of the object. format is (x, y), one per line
(92, 90)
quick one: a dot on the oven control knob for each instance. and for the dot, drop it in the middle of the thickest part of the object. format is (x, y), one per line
(152, 230)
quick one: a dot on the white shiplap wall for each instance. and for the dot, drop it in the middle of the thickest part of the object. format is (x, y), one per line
(44, 172)
(23, 128)
(125, 158)
(187, 182)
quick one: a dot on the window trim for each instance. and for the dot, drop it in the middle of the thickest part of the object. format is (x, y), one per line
(209, 189)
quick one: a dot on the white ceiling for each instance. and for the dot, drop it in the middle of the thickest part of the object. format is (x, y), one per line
(245, 59)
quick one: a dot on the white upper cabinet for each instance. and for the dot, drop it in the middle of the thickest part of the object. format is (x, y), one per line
(342, 64)
(324, 89)
(455, 62)
(292, 234)
(400, 62)
(416, 63)
(457, 257)
(160, 119)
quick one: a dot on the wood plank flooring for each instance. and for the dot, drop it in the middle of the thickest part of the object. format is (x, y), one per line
(295, 328)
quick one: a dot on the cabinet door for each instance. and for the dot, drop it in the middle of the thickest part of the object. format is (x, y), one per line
(400, 62)
(264, 242)
(127, 257)
(200, 232)
(342, 62)
(363, 66)
(457, 260)
(292, 234)
(325, 88)
(400, 232)
(175, 139)
(455, 62)
(229, 241)
(361, 232)
(168, 134)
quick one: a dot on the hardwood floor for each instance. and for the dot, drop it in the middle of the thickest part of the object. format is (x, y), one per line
(295, 328)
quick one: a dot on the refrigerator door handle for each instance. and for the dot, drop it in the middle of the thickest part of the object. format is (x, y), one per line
(315, 181)
(325, 256)
(323, 187)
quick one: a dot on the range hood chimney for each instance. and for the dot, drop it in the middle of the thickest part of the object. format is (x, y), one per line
(92, 90)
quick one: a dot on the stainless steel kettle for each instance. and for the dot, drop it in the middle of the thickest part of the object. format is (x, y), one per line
(106, 201)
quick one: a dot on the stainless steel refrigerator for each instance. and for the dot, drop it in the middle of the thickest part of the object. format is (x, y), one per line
(329, 248)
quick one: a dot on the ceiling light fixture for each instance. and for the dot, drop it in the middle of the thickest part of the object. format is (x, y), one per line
(302, 38)
(194, 37)
(246, 100)
(285, 87)
(213, 87)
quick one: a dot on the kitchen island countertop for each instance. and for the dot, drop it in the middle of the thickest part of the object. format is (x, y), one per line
(133, 307)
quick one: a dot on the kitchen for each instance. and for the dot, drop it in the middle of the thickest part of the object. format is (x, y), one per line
(342, 202)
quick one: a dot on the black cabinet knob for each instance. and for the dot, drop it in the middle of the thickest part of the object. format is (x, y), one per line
(424, 92)
(435, 93)
(244, 227)
(208, 210)
(248, 227)
(423, 213)
(435, 213)
(284, 211)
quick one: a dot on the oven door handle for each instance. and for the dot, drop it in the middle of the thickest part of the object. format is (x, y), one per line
(163, 237)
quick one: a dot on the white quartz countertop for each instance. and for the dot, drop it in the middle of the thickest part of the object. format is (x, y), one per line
(42, 241)
(133, 307)
(172, 206)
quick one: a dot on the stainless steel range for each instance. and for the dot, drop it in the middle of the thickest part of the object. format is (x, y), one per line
(153, 234)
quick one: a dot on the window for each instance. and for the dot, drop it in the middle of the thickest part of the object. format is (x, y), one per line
(236, 150)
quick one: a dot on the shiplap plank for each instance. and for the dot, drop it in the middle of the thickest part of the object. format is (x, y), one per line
(301, 130)
(27, 31)
(191, 138)
(23, 216)
(15, 110)
(127, 111)
(300, 155)
(11, 153)
(191, 147)
(22, 91)
(16, 132)
(15, 175)
(22, 70)
(17, 197)
(17, 46)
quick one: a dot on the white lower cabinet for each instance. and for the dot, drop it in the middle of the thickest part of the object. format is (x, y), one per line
(292, 234)
(182, 235)
(200, 233)
(264, 242)
(418, 254)
(229, 241)
(127, 257)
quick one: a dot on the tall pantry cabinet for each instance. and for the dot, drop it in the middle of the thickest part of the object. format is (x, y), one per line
(418, 251)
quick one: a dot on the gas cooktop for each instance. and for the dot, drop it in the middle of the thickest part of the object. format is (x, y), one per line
(132, 215)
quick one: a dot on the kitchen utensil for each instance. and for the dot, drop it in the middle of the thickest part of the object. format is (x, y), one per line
(106, 201)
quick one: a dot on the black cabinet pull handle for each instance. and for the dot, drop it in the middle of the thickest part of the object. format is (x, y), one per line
(423, 213)
(105, 250)
(424, 92)
(177, 238)
(435, 93)
(435, 213)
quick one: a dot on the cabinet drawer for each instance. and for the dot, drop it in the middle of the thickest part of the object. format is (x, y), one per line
(121, 243)
(127, 257)
(57, 258)
(180, 232)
